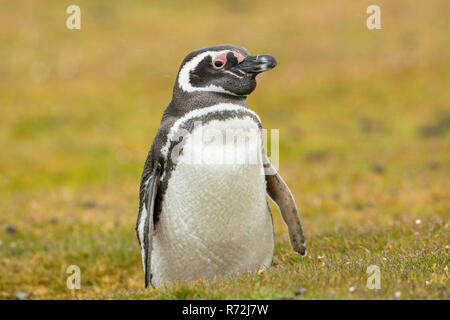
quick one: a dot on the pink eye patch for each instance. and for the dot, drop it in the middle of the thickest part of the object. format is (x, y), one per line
(238, 56)
(221, 60)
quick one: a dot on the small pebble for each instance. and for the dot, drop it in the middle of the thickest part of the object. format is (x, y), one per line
(299, 291)
(90, 204)
(351, 289)
(19, 295)
(433, 164)
(358, 206)
(377, 168)
(398, 294)
(11, 229)
(336, 196)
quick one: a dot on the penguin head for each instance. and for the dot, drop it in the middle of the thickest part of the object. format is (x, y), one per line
(226, 69)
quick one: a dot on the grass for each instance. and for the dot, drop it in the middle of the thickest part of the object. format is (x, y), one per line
(364, 143)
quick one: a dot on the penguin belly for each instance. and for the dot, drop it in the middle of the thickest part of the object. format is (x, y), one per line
(214, 218)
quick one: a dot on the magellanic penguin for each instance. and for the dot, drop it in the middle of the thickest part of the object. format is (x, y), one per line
(203, 210)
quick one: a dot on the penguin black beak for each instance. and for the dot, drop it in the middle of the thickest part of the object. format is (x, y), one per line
(257, 64)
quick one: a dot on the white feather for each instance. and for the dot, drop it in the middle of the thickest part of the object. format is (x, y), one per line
(141, 226)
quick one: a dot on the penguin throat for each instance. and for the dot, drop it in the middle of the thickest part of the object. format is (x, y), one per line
(195, 100)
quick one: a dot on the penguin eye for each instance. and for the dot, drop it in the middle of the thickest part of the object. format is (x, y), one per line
(220, 61)
(218, 64)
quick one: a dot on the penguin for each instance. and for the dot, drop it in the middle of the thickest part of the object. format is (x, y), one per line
(203, 210)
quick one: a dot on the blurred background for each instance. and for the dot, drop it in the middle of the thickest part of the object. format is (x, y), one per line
(364, 119)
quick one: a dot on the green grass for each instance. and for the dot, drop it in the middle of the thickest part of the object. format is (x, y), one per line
(364, 143)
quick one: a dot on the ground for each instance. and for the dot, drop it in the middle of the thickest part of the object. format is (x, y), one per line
(364, 120)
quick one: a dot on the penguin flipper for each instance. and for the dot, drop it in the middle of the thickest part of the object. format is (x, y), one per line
(279, 192)
(149, 206)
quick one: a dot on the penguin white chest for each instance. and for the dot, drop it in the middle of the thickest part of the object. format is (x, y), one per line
(214, 216)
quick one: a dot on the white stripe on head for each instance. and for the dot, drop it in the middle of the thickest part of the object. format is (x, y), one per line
(198, 113)
(184, 74)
